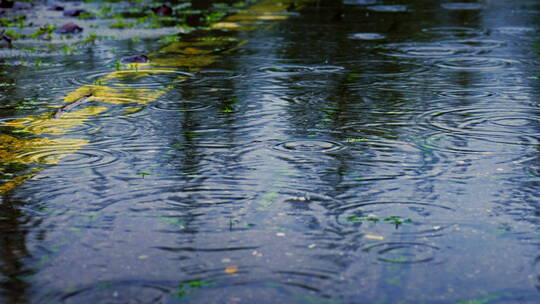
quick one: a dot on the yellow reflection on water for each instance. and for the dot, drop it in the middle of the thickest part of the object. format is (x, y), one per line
(46, 124)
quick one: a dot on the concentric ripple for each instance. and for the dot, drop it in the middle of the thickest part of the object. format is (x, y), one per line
(119, 292)
(300, 69)
(454, 31)
(427, 50)
(464, 93)
(481, 43)
(474, 144)
(390, 68)
(212, 75)
(403, 252)
(136, 78)
(476, 121)
(180, 105)
(86, 157)
(307, 146)
(467, 46)
(476, 63)
(417, 211)
(84, 77)
(484, 131)
(47, 85)
(110, 131)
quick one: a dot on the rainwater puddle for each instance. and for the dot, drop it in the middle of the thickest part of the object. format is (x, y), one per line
(350, 151)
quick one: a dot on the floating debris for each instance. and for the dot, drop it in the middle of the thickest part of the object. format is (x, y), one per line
(72, 105)
(74, 12)
(135, 59)
(56, 7)
(69, 28)
(21, 5)
(5, 40)
(162, 10)
(15, 5)
(6, 4)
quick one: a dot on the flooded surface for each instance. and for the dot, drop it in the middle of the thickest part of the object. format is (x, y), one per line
(355, 152)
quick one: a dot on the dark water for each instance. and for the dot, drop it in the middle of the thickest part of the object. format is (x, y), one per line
(365, 152)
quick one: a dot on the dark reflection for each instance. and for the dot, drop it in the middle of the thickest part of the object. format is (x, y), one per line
(13, 252)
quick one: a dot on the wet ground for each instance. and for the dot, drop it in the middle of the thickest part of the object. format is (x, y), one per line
(356, 152)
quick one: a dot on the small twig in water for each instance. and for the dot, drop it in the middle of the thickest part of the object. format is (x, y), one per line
(72, 105)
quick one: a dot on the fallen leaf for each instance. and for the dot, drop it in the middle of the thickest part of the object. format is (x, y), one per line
(231, 269)
(374, 237)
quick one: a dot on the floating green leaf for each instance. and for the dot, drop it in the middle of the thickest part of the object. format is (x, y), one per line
(143, 174)
(189, 287)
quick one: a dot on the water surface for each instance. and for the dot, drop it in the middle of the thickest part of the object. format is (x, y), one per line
(356, 152)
